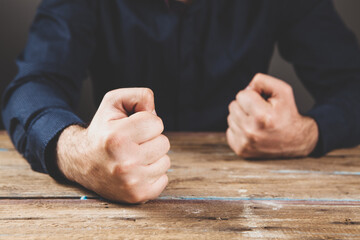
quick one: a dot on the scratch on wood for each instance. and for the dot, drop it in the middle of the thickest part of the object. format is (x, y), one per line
(213, 218)
(346, 173)
(274, 205)
(235, 229)
(306, 200)
(131, 219)
(21, 218)
(252, 222)
(275, 228)
(347, 221)
(286, 171)
(186, 180)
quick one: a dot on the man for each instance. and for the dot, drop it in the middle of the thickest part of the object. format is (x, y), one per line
(201, 60)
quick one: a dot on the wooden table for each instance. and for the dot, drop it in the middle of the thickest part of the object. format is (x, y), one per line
(212, 194)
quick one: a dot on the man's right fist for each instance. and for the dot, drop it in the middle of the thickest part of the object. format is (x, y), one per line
(122, 155)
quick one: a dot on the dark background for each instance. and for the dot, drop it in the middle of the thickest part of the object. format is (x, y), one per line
(16, 17)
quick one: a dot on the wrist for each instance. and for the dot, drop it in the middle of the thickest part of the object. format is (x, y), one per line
(68, 151)
(311, 135)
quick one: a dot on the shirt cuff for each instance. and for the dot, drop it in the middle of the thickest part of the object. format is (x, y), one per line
(333, 129)
(43, 136)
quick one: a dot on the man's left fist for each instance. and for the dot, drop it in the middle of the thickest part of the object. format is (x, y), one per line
(264, 122)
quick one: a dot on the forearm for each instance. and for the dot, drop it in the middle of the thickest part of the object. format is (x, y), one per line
(338, 118)
(34, 120)
(327, 60)
(39, 103)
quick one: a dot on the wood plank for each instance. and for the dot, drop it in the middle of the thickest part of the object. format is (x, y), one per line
(17, 180)
(212, 194)
(177, 219)
(204, 166)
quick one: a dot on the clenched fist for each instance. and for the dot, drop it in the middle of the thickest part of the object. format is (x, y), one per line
(264, 122)
(122, 155)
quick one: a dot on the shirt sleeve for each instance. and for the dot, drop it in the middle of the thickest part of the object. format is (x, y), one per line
(326, 57)
(38, 104)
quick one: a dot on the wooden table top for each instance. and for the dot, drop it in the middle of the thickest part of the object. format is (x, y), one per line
(212, 194)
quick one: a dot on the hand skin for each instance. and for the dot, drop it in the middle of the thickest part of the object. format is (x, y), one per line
(272, 127)
(122, 155)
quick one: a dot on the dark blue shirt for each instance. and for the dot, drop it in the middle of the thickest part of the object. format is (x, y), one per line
(195, 58)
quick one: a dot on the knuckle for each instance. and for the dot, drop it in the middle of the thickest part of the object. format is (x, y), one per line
(264, 120)
(252, 136)
(108, 140)
(146, 121)
(109, 95)
(147, 93)
(287, 89)
(244, 96)
(166, 179)
(165, 142)
(269, 121)
(243, 150)
(111, 141)
(167, 162)
(229, 120)
(236, 145)
(228, 138)
(158, 123)
(124, 167)
(258, 76)
(246, 146)
(240, 95)
(130, 184)
(232, 106)
(135, 197)
(227, 133)
(239, 149)
(155, 121)
(261, 120)
(142, 116)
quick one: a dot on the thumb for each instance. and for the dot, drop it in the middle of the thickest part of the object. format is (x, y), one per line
(127, 101)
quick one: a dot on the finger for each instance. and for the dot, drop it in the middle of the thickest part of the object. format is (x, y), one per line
(142, 127)
(232, 141)
(268, 85)
(158, 187)
(236, 141)
(154, 149)
(252, 103)
(129, 100)
(152, 190)
(238, 114)
(122, 148)
(234, 124)
(158, 168)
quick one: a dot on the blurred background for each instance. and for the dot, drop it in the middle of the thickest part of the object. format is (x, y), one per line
(16, 17)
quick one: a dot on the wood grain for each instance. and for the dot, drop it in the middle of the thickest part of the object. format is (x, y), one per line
(176, 219)
(212, 194)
